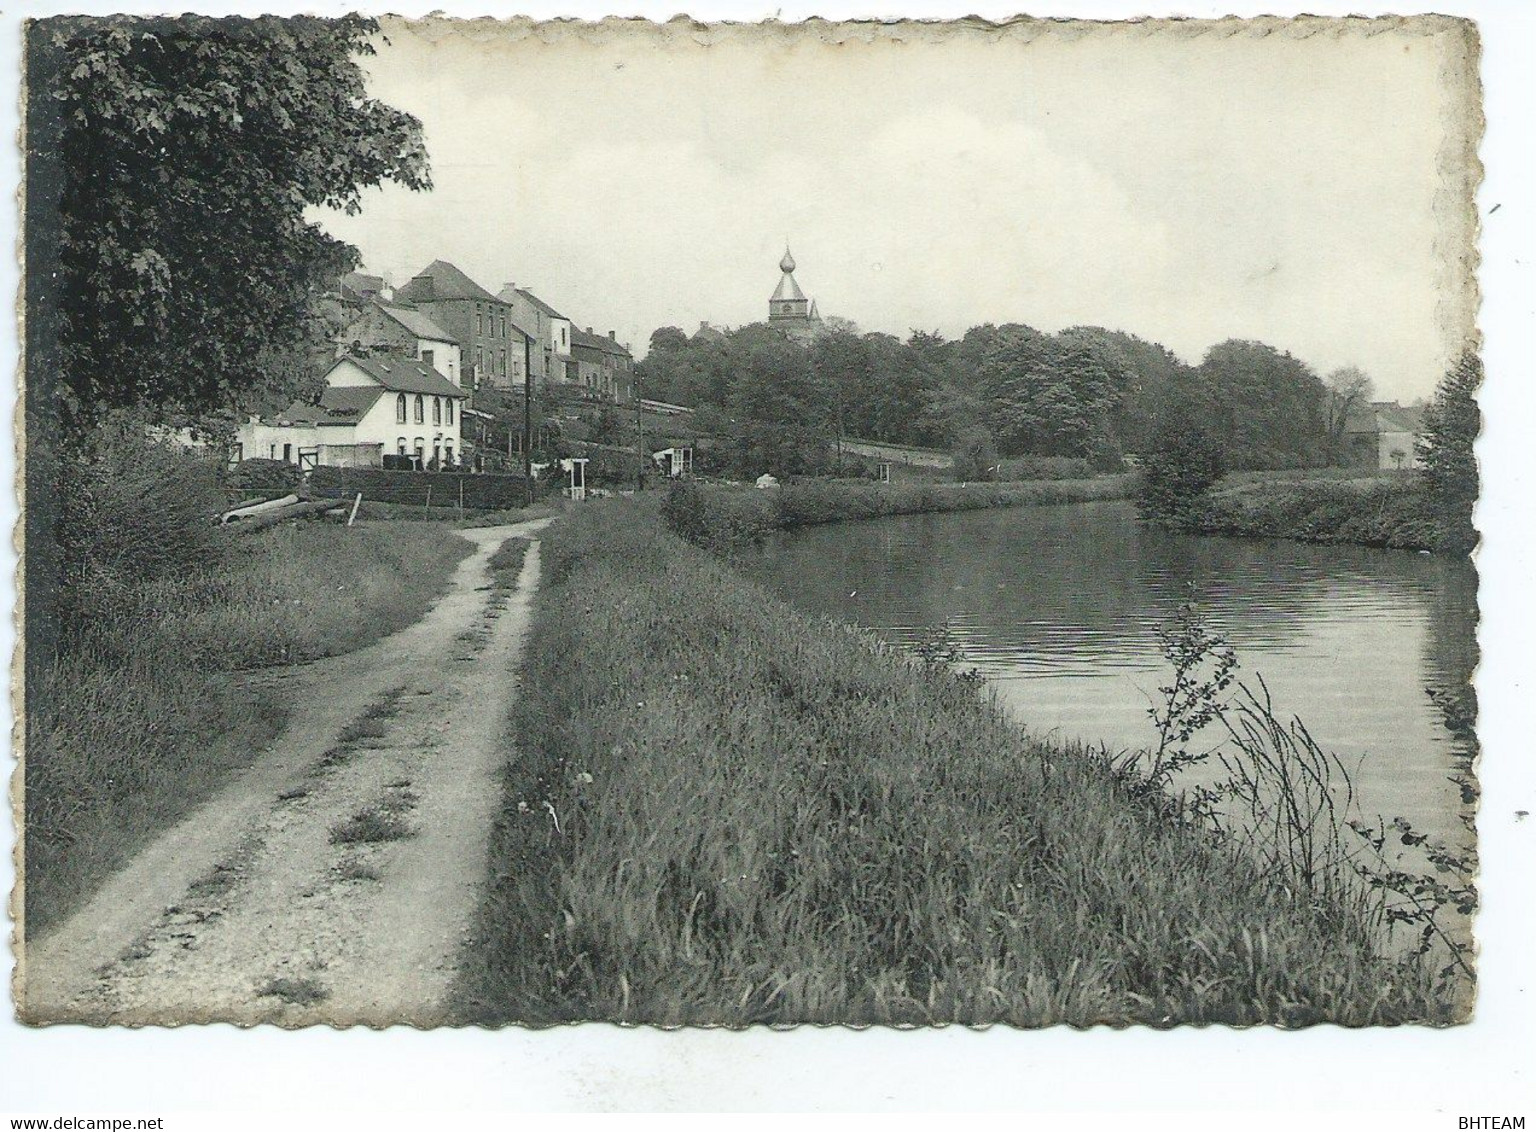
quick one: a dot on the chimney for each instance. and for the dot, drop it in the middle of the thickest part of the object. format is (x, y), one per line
(589, 330)
(612, 336)
(509, 287)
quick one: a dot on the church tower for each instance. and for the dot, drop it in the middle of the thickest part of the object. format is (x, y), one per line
(789, 303)
(789, 309)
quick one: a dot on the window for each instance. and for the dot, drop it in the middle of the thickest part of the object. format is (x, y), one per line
(448, 453)
(400, 409)
(479, 320)
(421, 409)
(448, 410)
(421, 446)
(272, 452)
(501, 362)
(480, 360)
(426, 357)
(437, 410)
(503, 324)
(400, 446)
(287, 453)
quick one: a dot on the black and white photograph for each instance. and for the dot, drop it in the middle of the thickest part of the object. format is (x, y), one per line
(751, 524)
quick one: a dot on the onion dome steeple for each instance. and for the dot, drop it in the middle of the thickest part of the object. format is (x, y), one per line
(788, 302)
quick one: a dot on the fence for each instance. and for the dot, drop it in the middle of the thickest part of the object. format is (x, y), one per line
(436, 489)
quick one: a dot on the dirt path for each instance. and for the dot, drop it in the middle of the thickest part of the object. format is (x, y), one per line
(335, 880)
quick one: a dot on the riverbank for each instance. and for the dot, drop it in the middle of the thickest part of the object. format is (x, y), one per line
(1390, 512)
(151, 704)
(724, 517)
(722, 811)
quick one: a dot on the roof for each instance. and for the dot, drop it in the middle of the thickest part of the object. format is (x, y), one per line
(404, 375)
(597, 342)
(1384, 416)
(787, 289)
(415, 321)
(441, 281)
(1399, 418)
(337, 406)
(355, 285)
(533, 301)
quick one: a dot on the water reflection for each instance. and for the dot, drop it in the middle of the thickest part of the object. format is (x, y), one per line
(1058, 607)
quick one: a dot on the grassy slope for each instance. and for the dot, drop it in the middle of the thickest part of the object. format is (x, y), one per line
(723, 811)
(145, 716)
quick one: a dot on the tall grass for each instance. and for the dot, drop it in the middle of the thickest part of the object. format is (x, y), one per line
(140, 715)
(721, 811)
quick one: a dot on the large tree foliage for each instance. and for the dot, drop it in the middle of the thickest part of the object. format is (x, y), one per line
(185, 153)
(1451, 424)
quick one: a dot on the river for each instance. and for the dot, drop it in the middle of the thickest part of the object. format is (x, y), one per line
(1058, 608)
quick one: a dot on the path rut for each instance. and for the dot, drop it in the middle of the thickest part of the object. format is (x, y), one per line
(336, 880)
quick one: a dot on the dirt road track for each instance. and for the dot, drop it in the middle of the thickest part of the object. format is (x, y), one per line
(335, 880)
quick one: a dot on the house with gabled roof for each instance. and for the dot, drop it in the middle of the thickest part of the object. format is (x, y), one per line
(550, 356)
(371, 407)
(401, 330)
(1384, 434)
(494, 348)
(604, 366)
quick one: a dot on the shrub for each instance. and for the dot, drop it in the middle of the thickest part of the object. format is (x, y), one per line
(132, 510)
(975, 456)
(1184, 463)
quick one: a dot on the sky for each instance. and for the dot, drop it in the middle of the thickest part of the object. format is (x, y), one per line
(1281, 187)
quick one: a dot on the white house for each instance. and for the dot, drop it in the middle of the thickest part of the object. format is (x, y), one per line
(371, 408)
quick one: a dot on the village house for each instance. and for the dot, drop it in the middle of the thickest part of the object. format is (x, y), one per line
(604, 367)
(551, 351)
(1384, 435)
(372, 407)
(389, 328)
(493, 348)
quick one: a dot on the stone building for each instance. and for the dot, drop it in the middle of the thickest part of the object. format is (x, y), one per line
(405, 332)
(493, 348)
(550, 356)
(604, 367)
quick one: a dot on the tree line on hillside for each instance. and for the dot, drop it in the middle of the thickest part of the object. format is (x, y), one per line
(998, 392)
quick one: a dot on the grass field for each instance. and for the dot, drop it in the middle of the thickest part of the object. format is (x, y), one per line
(142, 714)
(721, 811)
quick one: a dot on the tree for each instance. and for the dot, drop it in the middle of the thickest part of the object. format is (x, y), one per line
(1267, 406)
(1347, 390)
(1449, 465)
(185, 153)
(1183, 462)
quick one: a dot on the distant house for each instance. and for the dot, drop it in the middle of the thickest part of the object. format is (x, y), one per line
(403, 331)
(372, 407)
(493, 347)
(551, 331)
(356, 288)
(1383, 434)
(603, 366)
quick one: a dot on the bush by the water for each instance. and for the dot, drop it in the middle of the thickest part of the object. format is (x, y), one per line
(1184, 462)
(722, 811)
(724, 517)
(1394, 513)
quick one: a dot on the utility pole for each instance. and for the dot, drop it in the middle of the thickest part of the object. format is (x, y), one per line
(528, 416)
(639, 433)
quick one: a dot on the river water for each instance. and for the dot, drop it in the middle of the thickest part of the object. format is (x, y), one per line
(1058, 607)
